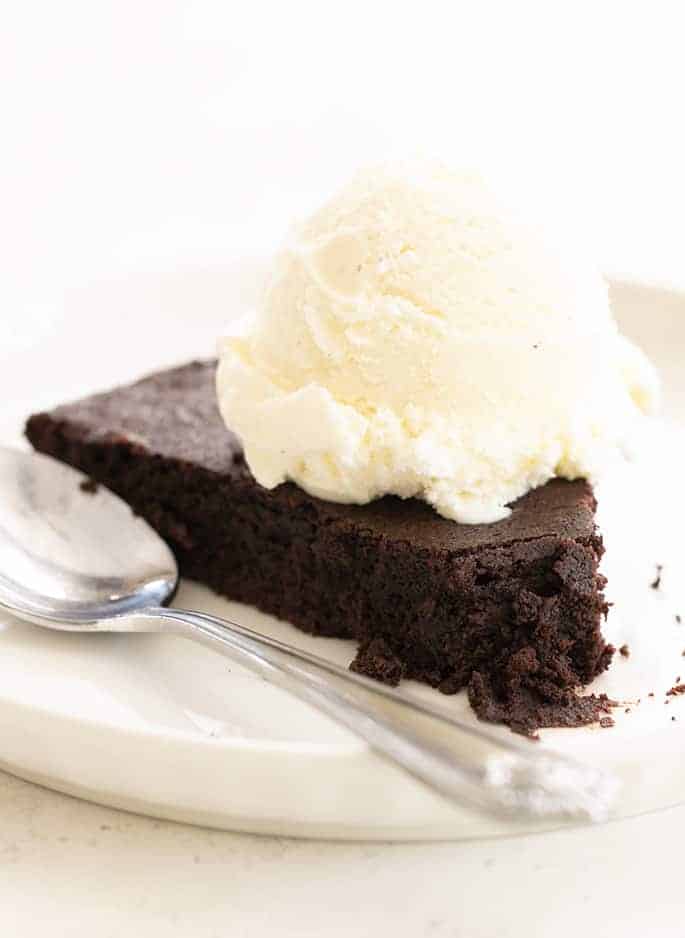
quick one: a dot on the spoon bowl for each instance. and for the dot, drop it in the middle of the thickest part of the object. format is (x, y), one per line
(72, 553)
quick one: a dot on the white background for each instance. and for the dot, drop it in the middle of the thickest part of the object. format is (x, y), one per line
(141, 135)
(142, 130)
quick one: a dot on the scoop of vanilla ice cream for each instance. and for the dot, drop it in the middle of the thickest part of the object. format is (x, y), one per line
(416, 338)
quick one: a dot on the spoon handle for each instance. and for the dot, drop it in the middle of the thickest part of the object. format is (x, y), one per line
(464, 763)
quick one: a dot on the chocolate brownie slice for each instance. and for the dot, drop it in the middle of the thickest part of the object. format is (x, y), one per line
(511, 611)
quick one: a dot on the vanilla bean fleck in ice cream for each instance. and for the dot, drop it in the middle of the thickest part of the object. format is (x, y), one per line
(417, 339)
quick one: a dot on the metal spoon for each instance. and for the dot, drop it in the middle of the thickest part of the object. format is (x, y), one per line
(83, 562)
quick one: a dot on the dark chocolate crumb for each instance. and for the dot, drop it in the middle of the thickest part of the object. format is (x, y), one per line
(606, 721)
(676, 690)
(673, 718)
(656, 582)
(678, 618)
(651, 693)
(378, 659)
(526, 710)
(627, 710)
(667, 701)
(90, 486)
(625, 651)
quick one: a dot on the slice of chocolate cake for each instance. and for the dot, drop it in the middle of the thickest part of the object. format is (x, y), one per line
(511, 611)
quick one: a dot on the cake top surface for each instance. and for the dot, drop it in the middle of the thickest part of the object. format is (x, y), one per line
(174, 414)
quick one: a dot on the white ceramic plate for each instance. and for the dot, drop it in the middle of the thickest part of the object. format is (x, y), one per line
(163, 727)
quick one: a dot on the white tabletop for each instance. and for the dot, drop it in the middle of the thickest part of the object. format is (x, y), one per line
(73, 869)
